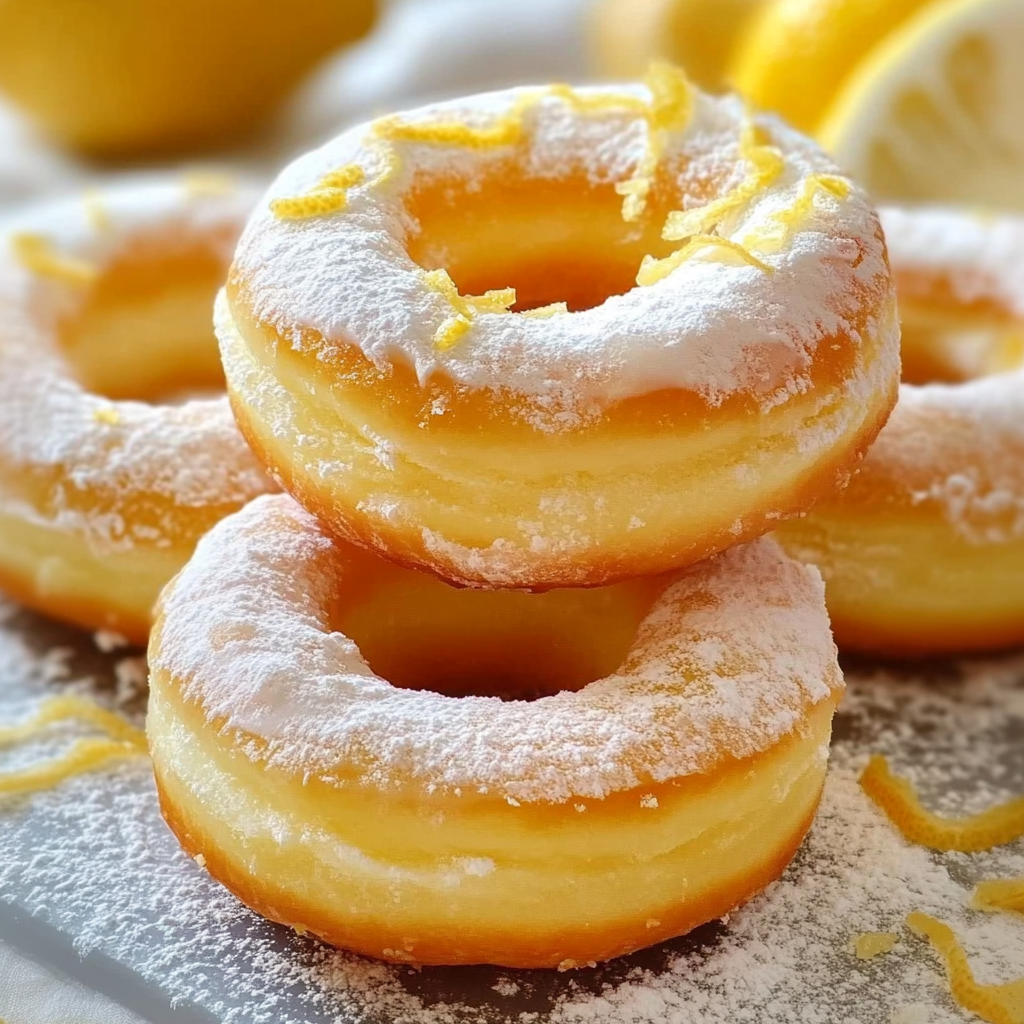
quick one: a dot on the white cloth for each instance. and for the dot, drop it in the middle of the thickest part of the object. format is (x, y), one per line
(30, 994)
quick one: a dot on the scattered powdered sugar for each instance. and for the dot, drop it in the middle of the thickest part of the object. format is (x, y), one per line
(711, 327)
(92, 860)
(96, 461)
(960, 445)
(244, 631)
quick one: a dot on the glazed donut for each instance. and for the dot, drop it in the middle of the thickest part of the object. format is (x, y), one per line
(119, 78)
(105, 305)
(668, 775)
(699, 35)
(924, 552)
(399, 352)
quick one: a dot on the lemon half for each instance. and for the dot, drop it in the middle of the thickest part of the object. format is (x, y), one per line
(936, 113)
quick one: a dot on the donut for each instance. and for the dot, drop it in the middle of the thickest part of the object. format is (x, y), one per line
(118, 78)
(923, 554)
(109, 473)
(319, 743)
(557, 338)
(700, 35)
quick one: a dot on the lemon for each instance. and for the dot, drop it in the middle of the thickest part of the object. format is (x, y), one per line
(798, 53)
(936, 113)
(698, 35)
(131, 77)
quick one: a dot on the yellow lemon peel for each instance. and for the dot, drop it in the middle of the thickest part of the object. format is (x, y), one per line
(36, 253)
(466, 307)
(96, 212)
(329, 195)
(785, 222)
(653, 270)
(543, 312)
(505, 130)
(765, 163)
(997, 1004)
(669, 110)
(868, 945)
(107, 414)
(122, 740)
(208, 183)
(972, 834)
(1000, 894)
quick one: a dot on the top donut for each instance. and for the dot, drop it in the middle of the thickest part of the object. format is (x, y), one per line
(559, 337)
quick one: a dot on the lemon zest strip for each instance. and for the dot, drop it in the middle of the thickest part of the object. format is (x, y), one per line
(96, 212)
(543, 312)
(208, 183)
(122, 740)
(505, 130)
(107, 414)
(789, 220)
(901, 805)
(670, 110)
(868, 945)
(766, 164)
(653, 270)
(1000, 894)
(36, 253)
(997, 1004)
(466, 307)
(329, 195)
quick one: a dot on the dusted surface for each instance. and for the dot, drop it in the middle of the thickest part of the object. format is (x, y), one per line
(90, 869)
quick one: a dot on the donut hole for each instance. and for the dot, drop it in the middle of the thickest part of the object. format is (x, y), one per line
(419, 633)
(553, 240)
(958, 343)
(144, 332)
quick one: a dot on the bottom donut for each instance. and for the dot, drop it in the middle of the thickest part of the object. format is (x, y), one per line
(319, 739)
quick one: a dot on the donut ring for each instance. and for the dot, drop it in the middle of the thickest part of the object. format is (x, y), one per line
(418, 827)
(733, 388)
(923, 554)
(103, 498)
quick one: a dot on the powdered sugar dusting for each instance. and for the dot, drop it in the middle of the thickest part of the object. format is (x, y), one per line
(94, 861)
(710, 327)
(959, 445)
(730, 658)
(95, 460)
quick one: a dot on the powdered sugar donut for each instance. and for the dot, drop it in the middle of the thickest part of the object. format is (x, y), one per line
(924, 552)
(105, 306)
(669, 774)
(434, 337)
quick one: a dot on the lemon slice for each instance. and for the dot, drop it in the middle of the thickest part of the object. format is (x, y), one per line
(936, 113)
(797, 54)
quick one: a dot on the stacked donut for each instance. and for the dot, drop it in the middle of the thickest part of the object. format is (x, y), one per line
(511, 675)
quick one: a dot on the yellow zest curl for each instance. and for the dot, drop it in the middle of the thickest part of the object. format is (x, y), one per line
(897, 798)
(107, 414)
(652, 270)
(789, 220)
(36, 253)
(466, 307)
(96, 212)
(122, 740)
(208, 183)
(1000, 894)
(598, 103)
(997, 1004)
(868, 945)
(329, 195)
(506, 130)
(766, 164)
(669, 110)
(543, 312)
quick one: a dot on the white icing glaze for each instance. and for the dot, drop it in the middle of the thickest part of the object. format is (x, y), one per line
(191, 454)
(967, 439)
(709, 326)
(727, 662)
